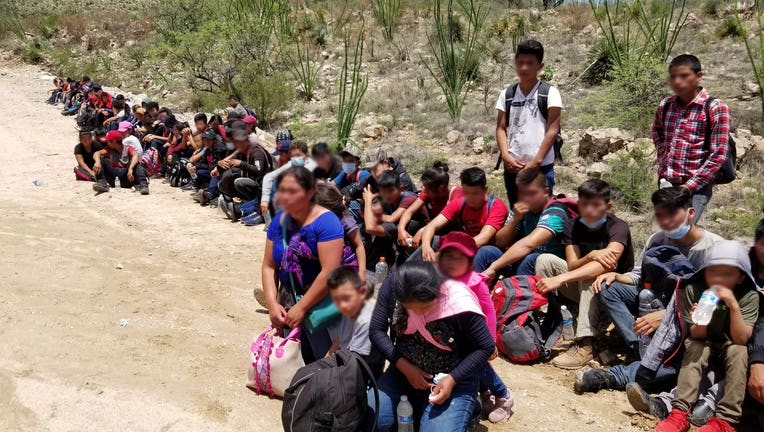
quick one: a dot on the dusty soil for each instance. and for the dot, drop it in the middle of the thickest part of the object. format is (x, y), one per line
(66, 363)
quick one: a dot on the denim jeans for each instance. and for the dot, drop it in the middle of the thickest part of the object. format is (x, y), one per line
(510, 183)
(202, 177)
(621, 303)
(110, 173)
(626, 373)
(486, 256)
(490, 380)
(700, 200)
(456, 414)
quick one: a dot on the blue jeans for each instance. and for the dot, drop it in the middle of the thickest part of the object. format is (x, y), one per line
(202, 177)
(700, 201)
(486, 255)
(621, 302)
(627, 373)
(510, 182)
(490, 380)
(456, 414)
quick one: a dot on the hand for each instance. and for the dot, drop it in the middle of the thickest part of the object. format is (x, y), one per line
(415, 376)
(442, 391)
(295, 315)
(606, 257)
(520, 210)
(494, 355)
(417, 240)
(278, 315)
(607, 279)
(531, 165)
(97, 167)
(549, 284)
(368, 195)
(130, 176)
(148, 138)
(512, 165)
(428, 254)
(647, 324)
(756, 382)
(403, 237)
(727, 296)
(234, 162)
(214, 172)
(225, 164)
(264, 208)
(186, 131)
(490, 273)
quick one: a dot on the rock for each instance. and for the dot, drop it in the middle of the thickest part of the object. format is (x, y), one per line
(752, 88)
(478, 145)
(597, 169)
(743, 143)
(119, 267)
(693, 21)
(267, 140)
(596, 143)
(375, 132)
(453, 137)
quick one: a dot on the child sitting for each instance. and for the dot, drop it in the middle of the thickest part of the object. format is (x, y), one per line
(457, 252)
(728, 270)
(352, 331)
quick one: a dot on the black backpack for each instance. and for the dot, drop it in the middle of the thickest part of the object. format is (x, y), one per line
(179, 175)
(662, 268)
(330, 395)
(542, 98)
(727, 172)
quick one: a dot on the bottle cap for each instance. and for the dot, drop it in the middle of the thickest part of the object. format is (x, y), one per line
(381, 259)
(404, 398)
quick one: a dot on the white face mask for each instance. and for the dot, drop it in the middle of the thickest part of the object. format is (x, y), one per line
(681, 230)
(230, 146)
(298, 161)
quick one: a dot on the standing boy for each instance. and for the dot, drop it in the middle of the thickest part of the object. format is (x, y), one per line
(528, 120)
(691, 148)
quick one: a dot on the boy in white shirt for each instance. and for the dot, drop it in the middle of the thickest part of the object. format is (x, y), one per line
(528, 120)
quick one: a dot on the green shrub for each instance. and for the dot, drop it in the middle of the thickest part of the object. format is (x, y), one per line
(712, 7)
(32, 52)
(387, 13)
(730, 27)
(9, 20)
(352, 87)
(548, 73)
(268, 95)
(632, 177)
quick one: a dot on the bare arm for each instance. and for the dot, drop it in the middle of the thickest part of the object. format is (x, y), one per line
(520, 249)
(552, 129)
(485, 236)
(501, 134)
(360, 253)
(330, 257)
(83, 165)
(405, 219)
(395, 217)
(429, 234)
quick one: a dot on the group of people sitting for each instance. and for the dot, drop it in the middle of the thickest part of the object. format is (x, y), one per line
(331, 218)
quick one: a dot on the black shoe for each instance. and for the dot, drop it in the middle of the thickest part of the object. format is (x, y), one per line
(188, 187)
(593, 380)
(144, 190)
(701, 413)
(641, 401)
(101, 186)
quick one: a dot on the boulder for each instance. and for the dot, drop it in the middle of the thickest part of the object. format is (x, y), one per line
(693, 21)
(597, 169)
(478, 145)
(375, 132)
(744, 143)
(453, 137)
(267, 140)
(596, 143)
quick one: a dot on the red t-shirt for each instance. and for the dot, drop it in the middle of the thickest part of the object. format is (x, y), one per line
(434, 208)
(473, 220)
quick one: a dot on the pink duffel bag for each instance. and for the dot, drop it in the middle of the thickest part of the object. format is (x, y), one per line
(273, 361)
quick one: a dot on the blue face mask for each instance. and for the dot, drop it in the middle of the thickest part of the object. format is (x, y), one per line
(298, 161)
(348, 167)
(680, 231)
(594, 225)
(230, 146)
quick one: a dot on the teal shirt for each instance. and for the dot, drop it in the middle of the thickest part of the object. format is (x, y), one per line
(553, 219)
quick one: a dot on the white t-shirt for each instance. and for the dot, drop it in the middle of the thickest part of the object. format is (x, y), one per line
(133, 142)
(527, 127)
(353, 334)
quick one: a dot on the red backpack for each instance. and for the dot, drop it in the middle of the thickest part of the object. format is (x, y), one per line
(523, 333)
(151, 161)
(570, 205)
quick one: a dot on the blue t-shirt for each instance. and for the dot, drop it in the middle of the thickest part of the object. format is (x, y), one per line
(325, 227)
(554, 219)
(343, 179)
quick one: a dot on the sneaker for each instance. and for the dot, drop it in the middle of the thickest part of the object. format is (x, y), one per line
(187, 187)
(643, 402)
(675, 422)
(101, 186)
(590, 380)
(197, 196)
(502, 411)
(253, 219)
(144, 190)
(488, 403)
(576, 357)
(227, 207)
(715, 424)
(701, 413)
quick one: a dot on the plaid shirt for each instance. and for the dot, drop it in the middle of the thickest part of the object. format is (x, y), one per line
(679, 141)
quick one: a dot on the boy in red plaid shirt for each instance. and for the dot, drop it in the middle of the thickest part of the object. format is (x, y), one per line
(679, 132)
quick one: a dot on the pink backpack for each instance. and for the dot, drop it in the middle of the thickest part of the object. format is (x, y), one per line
(273, 362)
(151, 162)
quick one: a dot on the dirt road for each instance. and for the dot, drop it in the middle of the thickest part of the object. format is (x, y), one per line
(185, 287)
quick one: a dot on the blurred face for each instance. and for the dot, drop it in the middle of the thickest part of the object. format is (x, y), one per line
(153, 112)
(249, 127)
(528, 66)
(232, 103)
(379, 168)
(390, 195)
(683, 80)
(377, 209)
(114, 145)
(127, 133)
(438, 193)
(297, 153)
(324, 161)
(348, 299)
(86, 140)
(208, 142)
(758, 248)
(140, 117)
(669, 219)
(474, 196)
(163, 116)
(292, 196)
(533, 195)
(724, 275)
(201, 125)
(593, 209)
(241, 146)
(453, 263)
(419, 308)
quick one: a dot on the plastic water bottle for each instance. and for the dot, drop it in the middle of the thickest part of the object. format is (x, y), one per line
(380, 270)
(568, 333)
(664, 184)
(648, 303)
(706, 307)
(38, 182)
(405, 414)
(117, 184)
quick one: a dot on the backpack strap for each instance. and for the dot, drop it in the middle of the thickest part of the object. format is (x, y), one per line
(370, 377)
(509, 95)
(664, 110)
(709, 129)
(542, 98)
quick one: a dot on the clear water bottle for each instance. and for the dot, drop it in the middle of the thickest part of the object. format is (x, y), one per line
(117, 184)
(568, 333)
(38, 182)
(405, 414)
(648, 303)
(380, 270)
(706, 307)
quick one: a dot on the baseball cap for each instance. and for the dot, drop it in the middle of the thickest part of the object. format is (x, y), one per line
(250, 119)
(209, 134)
(95, 87)
(124, 126)
(140, 110)
(282, 147)
(284, 135)
(460, 241)
(374, 157)
(352, 150)
(86, 132)
(112, 135)
(239, 134)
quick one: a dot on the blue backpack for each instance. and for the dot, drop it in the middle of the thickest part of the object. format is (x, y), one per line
(662, 268)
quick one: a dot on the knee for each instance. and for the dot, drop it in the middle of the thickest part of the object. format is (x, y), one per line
(737, 354)
(549, 265)
(693, 347)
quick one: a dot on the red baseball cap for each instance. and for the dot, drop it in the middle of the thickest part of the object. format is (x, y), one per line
(250, 119)
(112, 135)
(460, 241)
